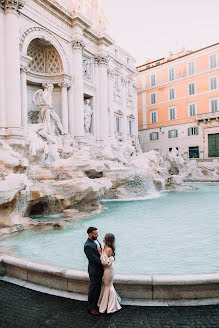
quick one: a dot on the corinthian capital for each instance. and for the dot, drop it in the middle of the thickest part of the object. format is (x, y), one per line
(12, 5)
(64, 84)
(78, 44)
(102, 59)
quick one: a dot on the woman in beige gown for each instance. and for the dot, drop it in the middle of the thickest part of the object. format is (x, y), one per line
(109, 299)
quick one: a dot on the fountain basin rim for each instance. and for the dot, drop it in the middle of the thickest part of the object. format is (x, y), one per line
(138, 279)
(155, 290)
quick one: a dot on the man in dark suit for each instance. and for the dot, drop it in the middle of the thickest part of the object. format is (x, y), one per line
(95, 269)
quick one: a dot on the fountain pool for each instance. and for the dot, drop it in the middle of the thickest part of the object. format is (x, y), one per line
(175, 233)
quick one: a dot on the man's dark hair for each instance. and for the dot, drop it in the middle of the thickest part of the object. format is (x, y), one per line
(91, 230)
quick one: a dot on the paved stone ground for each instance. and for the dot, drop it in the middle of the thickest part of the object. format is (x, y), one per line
(24, 308)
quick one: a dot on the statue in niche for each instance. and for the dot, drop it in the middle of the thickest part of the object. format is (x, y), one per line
(88, 112)
(47, 114)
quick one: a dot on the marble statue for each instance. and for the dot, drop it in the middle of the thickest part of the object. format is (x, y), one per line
(88, 112)
(48, 116)
(94, 11)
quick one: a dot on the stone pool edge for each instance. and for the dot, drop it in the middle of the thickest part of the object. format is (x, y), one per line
(145, 290)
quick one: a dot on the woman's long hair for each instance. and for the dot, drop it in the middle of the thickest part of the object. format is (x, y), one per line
(110, 242)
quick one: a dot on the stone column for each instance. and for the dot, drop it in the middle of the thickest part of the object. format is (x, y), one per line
(124, 93)
(24, 96)
(110, 102)
(76, 113)
(135, 124)
(64, 86)
(102, 62)
(12, 62)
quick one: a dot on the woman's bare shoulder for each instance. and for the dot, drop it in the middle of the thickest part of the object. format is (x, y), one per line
(108, 250)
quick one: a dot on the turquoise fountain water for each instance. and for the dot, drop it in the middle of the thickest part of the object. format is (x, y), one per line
(177, 233)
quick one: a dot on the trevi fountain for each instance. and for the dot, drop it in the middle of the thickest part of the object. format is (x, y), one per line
(70, 157)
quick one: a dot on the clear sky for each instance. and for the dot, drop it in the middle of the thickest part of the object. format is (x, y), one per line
(152, 28)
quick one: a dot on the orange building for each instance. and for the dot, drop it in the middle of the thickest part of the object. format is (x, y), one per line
(178, 100)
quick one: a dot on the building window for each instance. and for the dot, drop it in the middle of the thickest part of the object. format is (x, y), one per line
(213, 83)
(213, 61)
(172, 93)
(154, 136)
(171, 74)
(154, 117)
(191, 89)
(172, 113)
(116, 81)
(173, 133)
(153, 98)
(118, 124)
(191, 68)
(153, 80)
(130, 127)
(192, 110)
(194, 152)
(193, 131)
(214, 105)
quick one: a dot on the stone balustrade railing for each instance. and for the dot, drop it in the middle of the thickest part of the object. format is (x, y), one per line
(207, 116)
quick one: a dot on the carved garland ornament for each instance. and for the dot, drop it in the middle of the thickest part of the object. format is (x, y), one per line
(12, 4)
(110, 74)
(78, 44)
(101, 59)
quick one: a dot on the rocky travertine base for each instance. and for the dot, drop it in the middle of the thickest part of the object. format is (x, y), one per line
(41, 178)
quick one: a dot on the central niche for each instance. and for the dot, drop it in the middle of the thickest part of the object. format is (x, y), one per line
(45, 57)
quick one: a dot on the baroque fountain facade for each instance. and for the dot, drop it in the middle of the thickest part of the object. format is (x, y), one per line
(68, 116)
(68, 137)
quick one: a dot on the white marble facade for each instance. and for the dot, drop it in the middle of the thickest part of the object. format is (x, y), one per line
(43, 42)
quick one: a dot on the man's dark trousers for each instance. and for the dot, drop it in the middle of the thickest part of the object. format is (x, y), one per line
(95, 270)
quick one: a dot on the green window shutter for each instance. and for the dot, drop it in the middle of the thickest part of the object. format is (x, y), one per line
(189, 132)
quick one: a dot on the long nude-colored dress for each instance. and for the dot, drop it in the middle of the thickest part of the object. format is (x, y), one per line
(109, 299)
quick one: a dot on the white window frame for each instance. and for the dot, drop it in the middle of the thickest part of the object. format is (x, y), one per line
(192, 62)
(173, 92)
(118, 119)
(130, 125)
(191, 104)
(210, 101)
(153, 93)
(170, 136)
(209, 58)
(116, 82)
(151, 133)
(169, 111)
(118, 115)
(210, 78)
(154, 80)
(169, 75)
(193, 129)
(194, 89)
(151, 114)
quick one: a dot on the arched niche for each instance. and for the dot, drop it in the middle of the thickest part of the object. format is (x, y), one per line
(40, 33)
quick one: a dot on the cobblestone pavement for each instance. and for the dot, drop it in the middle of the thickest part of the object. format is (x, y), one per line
(24, 308)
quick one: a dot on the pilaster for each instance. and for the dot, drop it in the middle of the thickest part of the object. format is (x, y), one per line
(76, 111)
(12, 62)
(102, 61)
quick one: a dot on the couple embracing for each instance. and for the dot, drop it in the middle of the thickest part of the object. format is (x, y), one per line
(101, 266)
